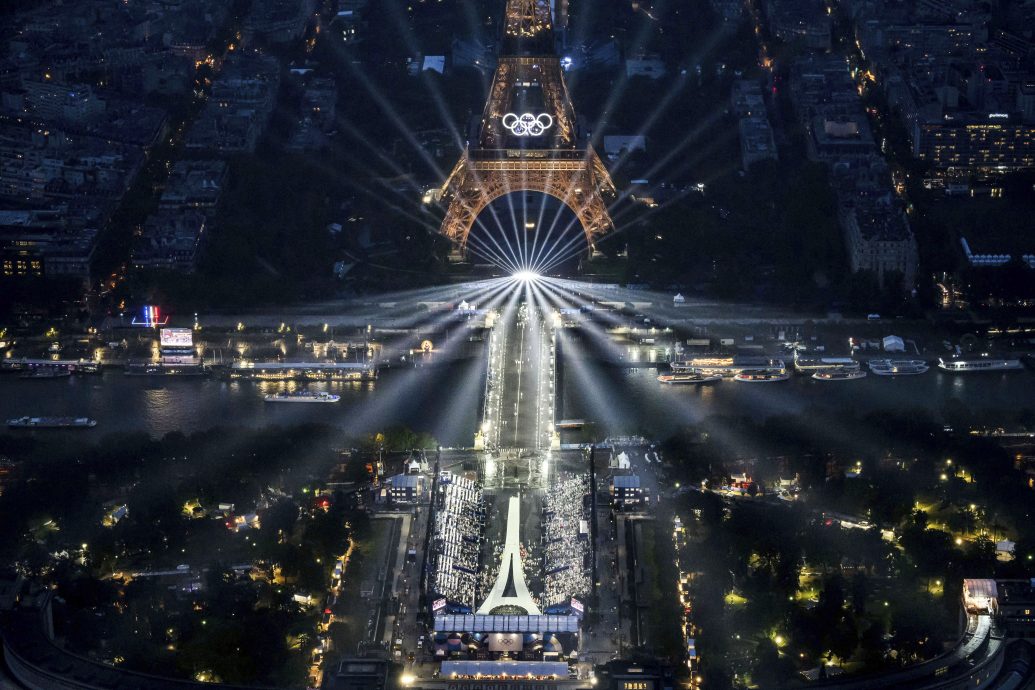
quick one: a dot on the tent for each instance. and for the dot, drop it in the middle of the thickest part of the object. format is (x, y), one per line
(892, 343)
(1004, 550)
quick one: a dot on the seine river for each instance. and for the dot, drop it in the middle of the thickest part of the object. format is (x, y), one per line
(445, 400)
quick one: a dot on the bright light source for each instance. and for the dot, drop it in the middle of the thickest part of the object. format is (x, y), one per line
(525, 276)
(408, 679)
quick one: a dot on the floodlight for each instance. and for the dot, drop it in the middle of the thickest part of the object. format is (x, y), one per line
(525, 276)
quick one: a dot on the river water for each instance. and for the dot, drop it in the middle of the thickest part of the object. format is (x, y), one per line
(632, 401)
(445, 400)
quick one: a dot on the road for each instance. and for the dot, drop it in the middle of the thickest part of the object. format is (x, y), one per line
(524, 384)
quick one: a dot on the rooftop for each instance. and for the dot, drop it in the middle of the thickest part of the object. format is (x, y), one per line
(626, 481)
(888, 225)
(510, 668)
(506, 623)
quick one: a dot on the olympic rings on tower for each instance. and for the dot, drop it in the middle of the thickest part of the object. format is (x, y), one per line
(527, 124)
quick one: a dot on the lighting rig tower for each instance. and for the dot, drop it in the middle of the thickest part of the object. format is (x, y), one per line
(527, 139)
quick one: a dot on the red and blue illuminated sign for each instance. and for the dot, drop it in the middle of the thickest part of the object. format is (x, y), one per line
(150, 317)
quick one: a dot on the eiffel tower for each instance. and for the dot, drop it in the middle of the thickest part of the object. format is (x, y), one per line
(527, 139)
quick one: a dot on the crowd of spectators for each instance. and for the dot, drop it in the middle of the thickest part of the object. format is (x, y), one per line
(488, 574)
(566, 545)
(557, 569)
(456, 542)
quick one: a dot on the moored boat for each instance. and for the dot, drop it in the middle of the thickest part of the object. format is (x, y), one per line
(897, 367)
(688, 378)
(980, 363)
(46, 373)
(839, 374)
(163, 369)
(302, 397)
(31, 365)
(805, 363)
(727, 365)
(52, 423)
(761, 376)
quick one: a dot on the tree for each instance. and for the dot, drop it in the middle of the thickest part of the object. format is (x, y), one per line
(326, 533)
(920, 519)
(767, 657)
(278, 522)
(832, 597)
(872, 644)
(711, 506)
(860, 590)
(770, 669)
(843, 637)
(346, 633)
(982, 557)
(961, 520)
(931, 550)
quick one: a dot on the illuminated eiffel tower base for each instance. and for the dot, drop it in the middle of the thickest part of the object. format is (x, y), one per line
(527, 138)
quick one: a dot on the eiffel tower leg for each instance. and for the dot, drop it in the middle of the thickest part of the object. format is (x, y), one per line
(456, 226)
(472, 188)
(467, 202)
(594, 218)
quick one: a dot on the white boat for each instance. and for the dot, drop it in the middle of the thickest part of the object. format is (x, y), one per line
(302, 397)
(761, 376)
(982, 363)
(839, 374)
(691, 377)
(897, 367)
(805, 363)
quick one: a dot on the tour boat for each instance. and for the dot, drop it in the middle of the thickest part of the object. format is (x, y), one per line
(982, 363)
(727, 365)
(761, 376)
(164, 369)
(897, 367)
(303, 397)
(839, 374)
(805, 363)
(693, 377)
